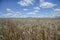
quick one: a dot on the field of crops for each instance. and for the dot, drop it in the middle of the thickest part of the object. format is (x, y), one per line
(29, 29)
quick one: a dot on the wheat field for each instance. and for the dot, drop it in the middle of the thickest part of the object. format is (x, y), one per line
(29, 29)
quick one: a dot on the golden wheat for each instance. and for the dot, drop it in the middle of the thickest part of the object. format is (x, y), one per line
(29, 29)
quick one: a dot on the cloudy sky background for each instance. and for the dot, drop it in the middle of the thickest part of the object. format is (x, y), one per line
(29, 8)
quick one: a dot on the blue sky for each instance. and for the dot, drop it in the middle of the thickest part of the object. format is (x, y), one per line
(29, 8)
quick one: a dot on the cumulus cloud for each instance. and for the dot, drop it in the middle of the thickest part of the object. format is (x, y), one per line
(37, 8)
(57, 12)
(35, 11)
(31, 13)
(47, 5)
(9, 10)
(25, 2)
(25, 9)
(41, 1)
(44, 4)
(10, 14)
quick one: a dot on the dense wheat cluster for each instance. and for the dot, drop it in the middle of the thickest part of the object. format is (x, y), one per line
(29, 29)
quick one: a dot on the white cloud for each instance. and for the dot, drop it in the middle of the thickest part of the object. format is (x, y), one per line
(57, 12)
(23, 16)
(25, 2)
(16, 15)
(17, 12)
(41, 1)
(36, 11)
(31, 13)
(9, 10)
(44, 4)
(37, 8)
(47, 5)
(25, 9)
(10, 14)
